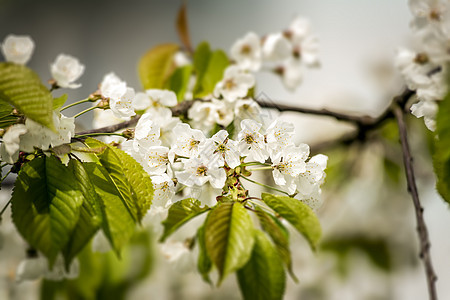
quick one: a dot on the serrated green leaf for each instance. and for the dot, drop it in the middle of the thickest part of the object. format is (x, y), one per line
(59, 101)
(179, 213)
(263, 277)
(90, 213)
(229, 237)
(46, 205)
(441, 156)
(118, 224)
(280, 237)
(6, 117)
(22, 88)
(179, 80)
(298, 214)
(204, 263)
(156, 66)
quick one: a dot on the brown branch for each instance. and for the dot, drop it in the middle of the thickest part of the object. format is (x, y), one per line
(412, 189)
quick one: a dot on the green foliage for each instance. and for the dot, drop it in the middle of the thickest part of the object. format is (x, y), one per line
(229, 237)
(180, 213)
(441, 157)
(103, 275)
(280, 237)
(179, 81)
(209, 67)
(204, 263)
(156, 66)
(59, 101)
(6, 117)
(46, 205)
(263, 276)
(22, 88)
(298, 214)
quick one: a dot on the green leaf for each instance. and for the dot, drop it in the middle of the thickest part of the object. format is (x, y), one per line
(58, 102)
(280, 237)
(90, 214)
(263, 276)
(179, 81)
(209, 67)
(441, 156)
(204, 264)
(118, 223)
(46, 205)
(22, 88)
(6, 117)
(229, 237)
(179, 213)
(298, 214)
(157, 65)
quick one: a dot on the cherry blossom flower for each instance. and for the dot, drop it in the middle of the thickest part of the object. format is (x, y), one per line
(120, 96)
(235, 84)
(247, 109)
(164, 190)
(222, 113)
(287, 164)
(155, 100)
(188, 141)
(198, 171)
(66, 70)
(279, 135)
(313, 176)
(156, 160)
(427, 110)
(276, 47)
(247, 52)
(428, 14)
(31, 268)
(146, 134)
(17, 48)
(11, 142)
(178, 255)
(220, 149)
(251, 142)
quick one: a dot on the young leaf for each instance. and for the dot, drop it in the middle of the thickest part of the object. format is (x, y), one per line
(201, 59)
(280, 237)
(156, 66)
(298, 214)
(58, 102)
(204, 264)
(118, 223)
(22, 88)
(183, 28)
(46, 205)
(263, 276)
(441, 156)
(217, 64)
(229, 237)
(180, 213)
(178, 82)
(90, 213)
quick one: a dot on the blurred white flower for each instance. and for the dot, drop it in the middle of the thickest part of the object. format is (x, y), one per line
(181, 59)
(251, 142)
(11, 142)
(247, 109)
(276, 47)
(66, 70)
(31, 268)
(313, 176)
(100, 242)
(428, 14)
(17, 48)
(178, 255)
(427, 110)
(247, 52)
(222, 113)
(201, 113)
(291, 73)
(59, 271)
(234, 84)
(414, 67)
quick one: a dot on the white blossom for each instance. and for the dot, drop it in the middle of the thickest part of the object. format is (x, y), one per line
(276, 47)
(187, 142)
(156, 160)
(164, 190)
(247, 52)
(146, 134)
(251, 142)
(287, 165)
(222, 113)
(17, 49)
(178, 255)
(59, 272)
(198, 171)
(427, 110)
(234, 84)
(247, 109)
(219, 149)
(31, 268)
(201, 113)
(428, 14)
(100, 242)
(313, 176)
(66, 70)
(11, 142)
(291, 73)
(279, 135)
(120, 96)
(155, 100)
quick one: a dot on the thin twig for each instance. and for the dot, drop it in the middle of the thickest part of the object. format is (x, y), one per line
(412, 189)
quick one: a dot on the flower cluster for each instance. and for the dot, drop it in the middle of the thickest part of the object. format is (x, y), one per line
(424, 70)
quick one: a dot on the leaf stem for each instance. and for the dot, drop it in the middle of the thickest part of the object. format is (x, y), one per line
(262, 168)
(4, 208)
(85, 111)
(264, 185)
(76, 103)
(6, 175)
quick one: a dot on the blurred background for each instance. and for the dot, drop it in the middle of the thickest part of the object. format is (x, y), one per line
(370, 247)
